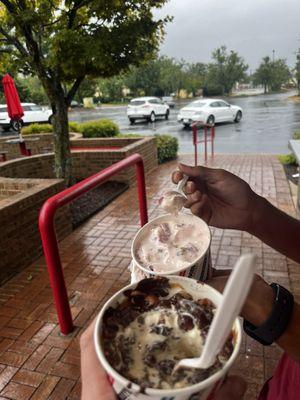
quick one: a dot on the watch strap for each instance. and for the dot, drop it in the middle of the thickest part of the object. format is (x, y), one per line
(276, 324)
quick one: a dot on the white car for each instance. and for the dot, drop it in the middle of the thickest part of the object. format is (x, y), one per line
(209, 111)
(147, 108)
(32, 114)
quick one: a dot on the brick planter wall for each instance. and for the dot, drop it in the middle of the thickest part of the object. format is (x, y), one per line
(25, 184)
(86, 162)
(20, 242)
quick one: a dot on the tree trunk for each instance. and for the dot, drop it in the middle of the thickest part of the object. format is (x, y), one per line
(63, 161)
(265, 88)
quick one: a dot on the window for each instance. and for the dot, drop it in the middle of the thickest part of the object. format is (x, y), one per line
(215, 104)
(223, 104)
(153, 101)
(35, 108)
(198, 104)
(137, 102)
(3, 109)
(26, 108)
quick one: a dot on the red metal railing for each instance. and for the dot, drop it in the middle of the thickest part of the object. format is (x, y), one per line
(48, 236)
(205, 139)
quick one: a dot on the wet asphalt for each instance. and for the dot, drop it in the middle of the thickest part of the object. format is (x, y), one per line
(268, 123)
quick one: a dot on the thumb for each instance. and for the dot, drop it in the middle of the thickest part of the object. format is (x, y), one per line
(233, 388)
(194, 172)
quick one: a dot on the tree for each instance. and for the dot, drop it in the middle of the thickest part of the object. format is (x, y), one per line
(271, 74)
(298, 71)
(226, 69)
(195, 75)
(263, 74)
(62, 42)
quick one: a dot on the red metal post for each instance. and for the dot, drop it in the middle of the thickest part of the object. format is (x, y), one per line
(205, 143)
(195, 141)
(48, 235)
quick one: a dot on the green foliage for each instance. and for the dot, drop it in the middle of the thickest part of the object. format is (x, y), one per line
(296, 136)
(100, 128)
(272, 74)
(287, 159)
(226, 69)
(167, 147)
(34, 129)
(74, 126)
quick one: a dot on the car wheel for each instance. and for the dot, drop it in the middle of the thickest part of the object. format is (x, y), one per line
(132, 120)
(238, 116)
(167, 114)
(210, 120)
(16, 125)
(50, 120)
(152, 117)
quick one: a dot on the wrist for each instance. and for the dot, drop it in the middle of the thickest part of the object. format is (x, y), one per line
(259, 303)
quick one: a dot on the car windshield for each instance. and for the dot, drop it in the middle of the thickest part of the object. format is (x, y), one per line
(198, 104)
(137, 102)
(3, 109)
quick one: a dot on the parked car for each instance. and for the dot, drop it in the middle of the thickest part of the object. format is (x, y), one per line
(169, 100)
(209, 111)
(147, 108)
(75, 104)
(32, 114)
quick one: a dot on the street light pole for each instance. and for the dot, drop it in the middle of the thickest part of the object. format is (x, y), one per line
(273, 51)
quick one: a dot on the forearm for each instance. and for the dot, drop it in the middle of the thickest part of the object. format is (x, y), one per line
(277, 229)
(257, 310)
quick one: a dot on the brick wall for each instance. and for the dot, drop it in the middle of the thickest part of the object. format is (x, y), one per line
(20, 242)
(85, 162)
(25, 184)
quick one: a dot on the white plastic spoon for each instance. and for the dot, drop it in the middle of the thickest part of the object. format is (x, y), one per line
(234, 296)
(173, 201)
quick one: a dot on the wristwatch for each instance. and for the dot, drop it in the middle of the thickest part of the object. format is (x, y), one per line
(276, 324)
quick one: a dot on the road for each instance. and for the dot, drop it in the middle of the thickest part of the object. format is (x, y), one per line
(268, 123)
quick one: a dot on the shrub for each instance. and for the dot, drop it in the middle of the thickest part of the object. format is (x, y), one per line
(167, 147)
(36, 128)
(74, 127)
(287, 159)
(296, 136)
(101, 128)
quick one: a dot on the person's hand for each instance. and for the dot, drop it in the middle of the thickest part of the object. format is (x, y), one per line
(95, 385)
(220, 198)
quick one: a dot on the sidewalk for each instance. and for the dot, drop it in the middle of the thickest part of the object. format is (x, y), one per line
(36, 363)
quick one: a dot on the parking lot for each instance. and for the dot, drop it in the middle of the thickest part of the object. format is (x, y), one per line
(268, 123)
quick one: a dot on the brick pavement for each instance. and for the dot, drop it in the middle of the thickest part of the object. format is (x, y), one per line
(37, 363)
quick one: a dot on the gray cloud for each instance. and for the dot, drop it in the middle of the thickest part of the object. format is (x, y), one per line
(252, 27)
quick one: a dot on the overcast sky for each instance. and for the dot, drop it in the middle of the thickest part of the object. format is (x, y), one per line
(252, 27)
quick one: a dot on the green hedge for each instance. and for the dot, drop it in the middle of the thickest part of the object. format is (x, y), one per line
(296, 136)
(287, 159)
(100, 128)
(167, 147)
(34, 129)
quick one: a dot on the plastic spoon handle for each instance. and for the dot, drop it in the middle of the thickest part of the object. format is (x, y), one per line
(235, 293)
(181, 185)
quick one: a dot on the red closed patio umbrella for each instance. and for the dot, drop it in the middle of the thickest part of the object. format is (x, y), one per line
(14, 107)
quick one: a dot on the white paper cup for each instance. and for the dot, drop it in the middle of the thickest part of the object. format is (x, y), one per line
(200, 269)
(200, 391)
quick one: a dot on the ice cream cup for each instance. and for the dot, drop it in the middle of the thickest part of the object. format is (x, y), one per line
(204, 390)
(199, 269)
